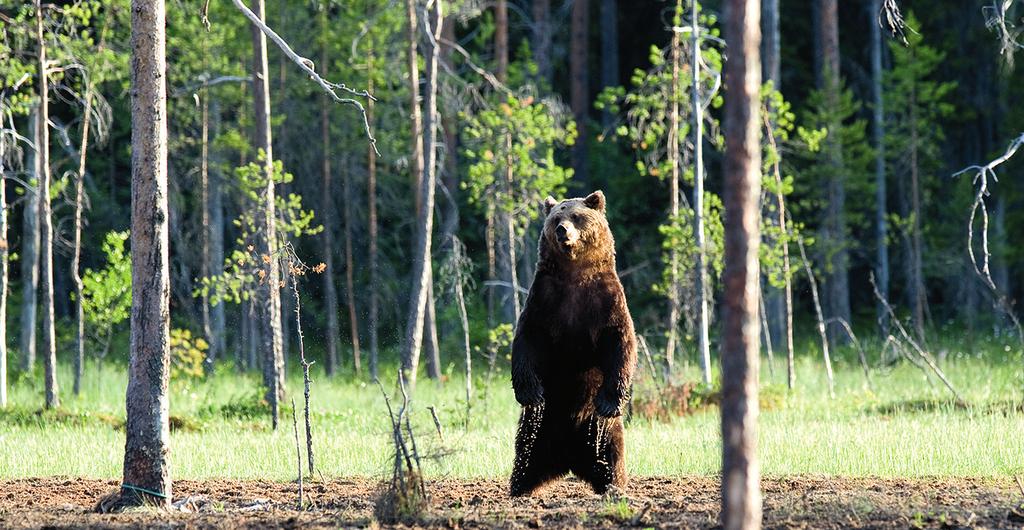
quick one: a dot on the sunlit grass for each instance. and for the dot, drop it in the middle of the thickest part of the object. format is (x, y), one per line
(900, 426)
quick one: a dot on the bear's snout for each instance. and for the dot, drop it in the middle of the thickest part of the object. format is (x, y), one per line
(566, 233)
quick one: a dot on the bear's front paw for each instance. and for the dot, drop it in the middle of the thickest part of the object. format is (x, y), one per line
(607, 406)
(530, 396)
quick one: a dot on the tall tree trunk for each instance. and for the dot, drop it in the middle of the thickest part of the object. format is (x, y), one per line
(4, 268)
(838, 288)
(327, 206)
(30, 255)
(703, 340)
(919, 300)
(878, 132)
(542, 39)
(501, 40)
(411, 352)
(450, 177)
(269, 294)
(371, 199)
(147, 478)
(674, 302)
(741, 496)
(218, 342)
(609, 51)
(46, 223)
(350, 286)
(771, 43)
(580, 92)
(421, 276)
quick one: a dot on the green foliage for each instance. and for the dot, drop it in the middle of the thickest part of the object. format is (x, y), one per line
(107, 293)
(244, 270)
(511, 149)
(187, 355)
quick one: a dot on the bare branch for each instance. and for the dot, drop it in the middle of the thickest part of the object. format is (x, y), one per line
(307, 66)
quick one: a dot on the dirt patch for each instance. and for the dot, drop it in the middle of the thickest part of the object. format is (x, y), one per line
(678, 502)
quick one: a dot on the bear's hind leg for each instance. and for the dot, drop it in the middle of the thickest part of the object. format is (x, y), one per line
(538, 460)
(600, 451)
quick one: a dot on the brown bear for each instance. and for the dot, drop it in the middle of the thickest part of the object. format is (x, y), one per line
(573, 354)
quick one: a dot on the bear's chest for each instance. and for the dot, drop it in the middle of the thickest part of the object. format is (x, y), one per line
(578, 314)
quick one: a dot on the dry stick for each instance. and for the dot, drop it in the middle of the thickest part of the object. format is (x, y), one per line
(821, 319)
(305, 365)
(298, 452)
(781, 206)
(767, 333)
(984, 271)
(412, 438)
(437, 422)
(401, 452)
(307, 66)
(856, 343)
(902, 350)
(650, 361)
(925, 356)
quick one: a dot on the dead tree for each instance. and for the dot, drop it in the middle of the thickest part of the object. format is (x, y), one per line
(147, 477)
(674, 302)
(741, 496)
(703, 341)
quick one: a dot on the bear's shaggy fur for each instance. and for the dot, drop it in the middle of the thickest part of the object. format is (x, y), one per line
(573, 354)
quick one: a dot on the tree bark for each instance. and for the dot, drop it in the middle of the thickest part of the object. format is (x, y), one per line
(917, 288)
(269, 293)
(501, 40)
(76, 249)
(421, 276)
(327, 207)
(542, 39)
(30, 256)
(741, 496)
(4, 269)
(838, 288)
(674, 302)
(580, 91)
(218, 342)
(411, 353)
(45, 223)
(371, 199)
(147, 477)
(878, 132)
(703, 340)
(350, 286)
(609, 51)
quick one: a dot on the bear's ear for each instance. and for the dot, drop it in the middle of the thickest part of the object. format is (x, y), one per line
(595, 200)
(549, 203)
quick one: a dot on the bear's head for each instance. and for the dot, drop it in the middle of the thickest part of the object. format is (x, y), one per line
(577, 229)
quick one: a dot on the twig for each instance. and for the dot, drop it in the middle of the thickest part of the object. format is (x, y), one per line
(650, 361)
(305, 364)
(981, 176)
(821, 319)
(925, 356)
(307, 66)
(437, 422)
(856, 343)
(298, 452)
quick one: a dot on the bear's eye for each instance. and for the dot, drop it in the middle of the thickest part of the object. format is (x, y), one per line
(576, 217)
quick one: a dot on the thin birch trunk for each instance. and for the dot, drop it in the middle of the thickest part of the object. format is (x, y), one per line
(147, 477)
(4, 268)
(703, 340)
(30, 255)
(45, 223)
(741, 495)
(417, 310)
(218, 344)
(674, 304)
(76, 249)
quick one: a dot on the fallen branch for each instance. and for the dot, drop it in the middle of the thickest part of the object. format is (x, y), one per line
(924, 355)
(856, 343)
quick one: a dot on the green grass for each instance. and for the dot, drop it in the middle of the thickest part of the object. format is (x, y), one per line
(902, 426)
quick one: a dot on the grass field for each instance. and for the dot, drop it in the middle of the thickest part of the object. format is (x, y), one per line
(903, 426)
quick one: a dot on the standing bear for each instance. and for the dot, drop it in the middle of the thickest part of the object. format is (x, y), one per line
(573, 354)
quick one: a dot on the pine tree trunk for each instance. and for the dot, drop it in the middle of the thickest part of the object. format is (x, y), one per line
(878, 131)
(542, 39)
(703, 339)
(580, 89)
(411, 352)
(30, 255)
(674, 302)
(609, 51)
(218, 344)
(371, 199)
(4, 268)
(269, 295)
(450, 177)
(46, 223)
(917, 288)
(501, 40)
(741, 496)
(327, 207)
(147, 432)
(205, 265)
(421, 274)
(350, 286)
(838, 300)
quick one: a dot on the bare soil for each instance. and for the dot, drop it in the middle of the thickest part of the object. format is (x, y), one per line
(677, 502)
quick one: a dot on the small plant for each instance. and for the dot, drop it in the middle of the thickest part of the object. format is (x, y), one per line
(107, 293)
(187, 355)
(618, 509)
